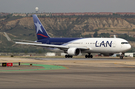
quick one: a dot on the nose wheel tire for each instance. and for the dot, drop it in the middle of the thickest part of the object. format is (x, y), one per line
(121, 57)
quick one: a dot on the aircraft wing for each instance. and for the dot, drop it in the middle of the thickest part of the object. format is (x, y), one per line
(34, 43)
(50, 45)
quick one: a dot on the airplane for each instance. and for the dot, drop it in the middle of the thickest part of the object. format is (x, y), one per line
(75, 46)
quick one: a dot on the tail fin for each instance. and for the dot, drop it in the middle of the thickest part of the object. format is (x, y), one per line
(40, 30)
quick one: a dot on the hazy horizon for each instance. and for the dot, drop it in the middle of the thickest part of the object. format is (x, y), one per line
(58, 6)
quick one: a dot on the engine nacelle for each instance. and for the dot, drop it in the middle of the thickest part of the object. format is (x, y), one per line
(73, 51)
(108, 54)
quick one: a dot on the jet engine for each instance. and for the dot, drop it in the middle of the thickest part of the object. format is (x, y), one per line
(73, 51)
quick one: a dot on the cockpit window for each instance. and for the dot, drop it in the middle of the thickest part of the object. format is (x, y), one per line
(124, 43)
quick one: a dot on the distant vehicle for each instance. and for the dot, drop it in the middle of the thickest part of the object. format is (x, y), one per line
(75, 46)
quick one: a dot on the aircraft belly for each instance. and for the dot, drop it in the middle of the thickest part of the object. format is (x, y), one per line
(103, 50)
(54, 49)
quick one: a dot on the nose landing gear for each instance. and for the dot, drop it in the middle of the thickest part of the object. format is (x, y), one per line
(122, 55)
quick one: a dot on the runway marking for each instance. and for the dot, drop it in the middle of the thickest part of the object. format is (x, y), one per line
(45, 67)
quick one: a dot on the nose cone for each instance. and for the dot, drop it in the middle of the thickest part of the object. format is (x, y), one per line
(128, 47)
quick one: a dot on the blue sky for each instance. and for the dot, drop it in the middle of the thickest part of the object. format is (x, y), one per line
(28, 6)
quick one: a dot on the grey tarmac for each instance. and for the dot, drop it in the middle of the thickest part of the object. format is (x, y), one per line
(80, 74)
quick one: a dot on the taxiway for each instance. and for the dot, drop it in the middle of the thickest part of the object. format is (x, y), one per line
(82, 73)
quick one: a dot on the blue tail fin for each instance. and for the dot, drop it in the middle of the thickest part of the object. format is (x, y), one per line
(40, 31)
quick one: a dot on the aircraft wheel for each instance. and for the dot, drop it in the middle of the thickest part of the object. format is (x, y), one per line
(91, 56)
(121, 57)
(71, 56)
(65, 56)
(68, 56)
(86, 56)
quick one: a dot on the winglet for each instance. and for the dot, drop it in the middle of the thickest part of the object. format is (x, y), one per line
(8, 38)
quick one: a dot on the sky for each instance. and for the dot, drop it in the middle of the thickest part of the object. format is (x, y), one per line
(57, 6)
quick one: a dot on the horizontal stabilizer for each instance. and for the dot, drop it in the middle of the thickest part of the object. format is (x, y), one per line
(8, 38)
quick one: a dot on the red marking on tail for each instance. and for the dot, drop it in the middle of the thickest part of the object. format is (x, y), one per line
(42, 35)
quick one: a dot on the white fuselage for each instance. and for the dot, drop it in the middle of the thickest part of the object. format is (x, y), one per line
(101, 45)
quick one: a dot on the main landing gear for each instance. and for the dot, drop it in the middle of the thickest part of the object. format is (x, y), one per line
(89, 56)
(68, 56)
